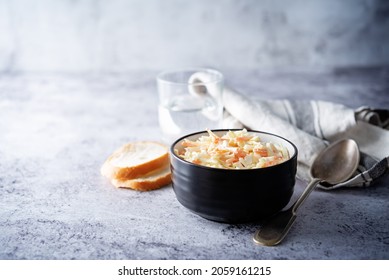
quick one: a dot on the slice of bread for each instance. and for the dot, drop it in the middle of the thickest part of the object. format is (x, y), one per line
(148, 182)
(142, 166)
(134, 160)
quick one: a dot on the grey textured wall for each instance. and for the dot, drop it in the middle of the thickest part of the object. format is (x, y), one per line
(120, 35)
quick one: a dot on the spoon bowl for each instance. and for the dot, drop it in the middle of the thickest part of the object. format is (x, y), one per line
(337, 162)
(333, 165)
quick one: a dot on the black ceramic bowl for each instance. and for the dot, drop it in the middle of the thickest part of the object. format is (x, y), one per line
(231, 195)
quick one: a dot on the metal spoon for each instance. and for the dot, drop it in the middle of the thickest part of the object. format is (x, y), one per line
(333, 165)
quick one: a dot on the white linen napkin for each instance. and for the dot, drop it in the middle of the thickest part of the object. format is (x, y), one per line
(311, 126)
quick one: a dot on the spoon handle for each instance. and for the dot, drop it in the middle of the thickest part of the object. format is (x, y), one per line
(305, 194)
(274, 231)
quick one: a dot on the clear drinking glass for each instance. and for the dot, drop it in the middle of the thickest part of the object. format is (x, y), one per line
(189, 101)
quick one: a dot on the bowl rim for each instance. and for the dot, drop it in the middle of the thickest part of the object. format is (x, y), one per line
(171, 149)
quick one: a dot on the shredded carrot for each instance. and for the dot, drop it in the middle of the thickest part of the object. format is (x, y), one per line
(261, 151)
(187, 143)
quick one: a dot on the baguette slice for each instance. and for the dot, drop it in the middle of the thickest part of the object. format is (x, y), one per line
(135, 160)
(152, 181)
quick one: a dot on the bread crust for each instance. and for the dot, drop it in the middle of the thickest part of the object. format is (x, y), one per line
(109, 170)
(145, 183)
(150, 174)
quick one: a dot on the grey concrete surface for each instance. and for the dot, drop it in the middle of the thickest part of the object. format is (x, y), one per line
(120, 35)
(57, 129)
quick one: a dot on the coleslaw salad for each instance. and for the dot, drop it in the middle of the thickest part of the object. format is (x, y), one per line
(234, 150)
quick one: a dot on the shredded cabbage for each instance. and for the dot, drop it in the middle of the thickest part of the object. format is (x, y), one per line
(234, 150)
